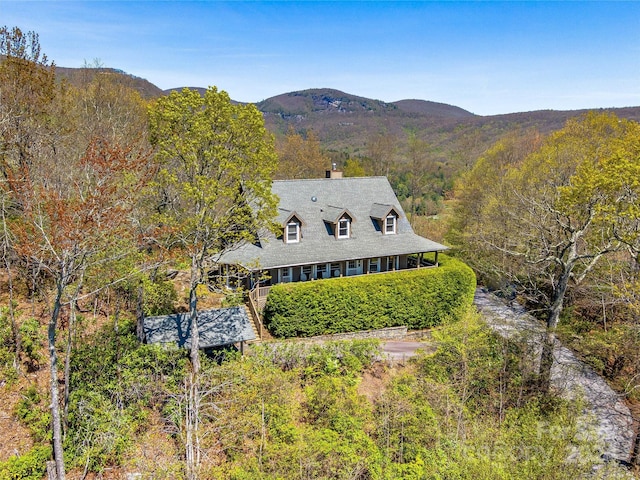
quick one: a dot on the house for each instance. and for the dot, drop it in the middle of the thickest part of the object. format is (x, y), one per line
(331, 227)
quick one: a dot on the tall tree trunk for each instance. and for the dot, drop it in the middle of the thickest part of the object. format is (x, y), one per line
(140, 313)
(557, 304)
(73, 304)
(546, 362)
(195, 335)
(58, 452)
(67, 370)
(15, 330)
(558, 297)
(192, 410)
(67, 360)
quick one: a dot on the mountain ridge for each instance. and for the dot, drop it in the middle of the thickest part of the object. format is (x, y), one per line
(346, 123)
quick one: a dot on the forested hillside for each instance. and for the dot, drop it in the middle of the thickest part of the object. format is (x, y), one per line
(554, 222)
(370, 137)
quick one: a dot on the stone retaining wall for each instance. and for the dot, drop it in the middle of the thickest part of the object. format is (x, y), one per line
(394, 333)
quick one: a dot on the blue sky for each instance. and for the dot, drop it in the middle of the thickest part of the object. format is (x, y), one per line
(486, 57)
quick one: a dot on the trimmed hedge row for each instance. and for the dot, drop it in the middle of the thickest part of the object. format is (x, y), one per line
(418, 298)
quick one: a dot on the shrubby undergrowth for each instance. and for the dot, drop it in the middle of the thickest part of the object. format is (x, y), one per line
(291, 410)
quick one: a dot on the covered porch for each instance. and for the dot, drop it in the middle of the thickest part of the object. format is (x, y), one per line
(261, 281)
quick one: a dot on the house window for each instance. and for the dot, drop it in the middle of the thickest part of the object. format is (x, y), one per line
(293, 232)
(286, 275)
(374, 265)
(392, 263)
(322, 270)
(335, 269)
(344, 228)
(354, 267)
(307, 273)
(390, 224)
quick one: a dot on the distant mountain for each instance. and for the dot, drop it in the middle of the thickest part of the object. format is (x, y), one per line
(82, 76)
(345, 123)
(327, 101)
(319, 100)
(424, 107)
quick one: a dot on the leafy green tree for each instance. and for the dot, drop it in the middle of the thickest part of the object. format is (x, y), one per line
(473, 193)
(418, 161)
(213, 192)
(353, 168)
(542, 220)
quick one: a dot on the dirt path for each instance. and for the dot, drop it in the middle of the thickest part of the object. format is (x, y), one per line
(605, 411)
(399, 351)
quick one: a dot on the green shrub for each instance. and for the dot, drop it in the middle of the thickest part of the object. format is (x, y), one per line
(32, 338)
(418, 298)
(33, 411)
(344, 357)
(99, 431)
(115, 382)
(30, 466)
(8, 371)
(233, 299)
(159, 297)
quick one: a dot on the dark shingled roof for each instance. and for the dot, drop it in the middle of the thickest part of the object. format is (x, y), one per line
(380, 211)
(317, 202)
(217, 327)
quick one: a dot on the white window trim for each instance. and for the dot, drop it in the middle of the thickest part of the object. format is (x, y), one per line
(288, 277)
(297, 232)
(376, 262)
(356, 269)
(348, 224)
(387, 230)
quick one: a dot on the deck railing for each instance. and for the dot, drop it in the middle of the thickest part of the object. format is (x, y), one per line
(257, 301)
(259, 296)
(257, 317)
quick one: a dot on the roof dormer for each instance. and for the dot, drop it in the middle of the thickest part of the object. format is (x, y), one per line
(292, 226)
(339, 220)
(385, 218)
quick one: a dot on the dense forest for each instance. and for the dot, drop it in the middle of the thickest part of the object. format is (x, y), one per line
(116, 204)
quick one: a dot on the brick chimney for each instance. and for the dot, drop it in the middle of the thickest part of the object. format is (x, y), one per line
(334, 172)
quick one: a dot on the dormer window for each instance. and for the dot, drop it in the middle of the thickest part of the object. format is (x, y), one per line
(338, 221)
(390, 224)
(292, 232)
(385, 218)
(344, 227)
